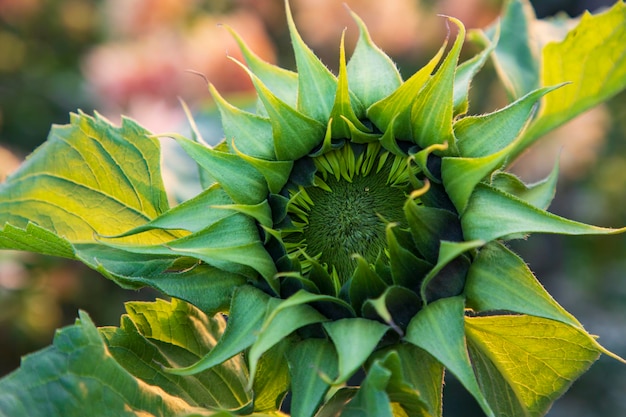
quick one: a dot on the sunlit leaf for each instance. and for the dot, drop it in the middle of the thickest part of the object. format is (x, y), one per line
(531, 374)
(108, 181)
(592, 57)
(74, 376)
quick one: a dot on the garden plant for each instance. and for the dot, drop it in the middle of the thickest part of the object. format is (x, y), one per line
(348, 248)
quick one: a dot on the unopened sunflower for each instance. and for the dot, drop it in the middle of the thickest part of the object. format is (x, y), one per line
(353, 229)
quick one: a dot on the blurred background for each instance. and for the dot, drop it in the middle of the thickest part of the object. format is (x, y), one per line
(133, 57)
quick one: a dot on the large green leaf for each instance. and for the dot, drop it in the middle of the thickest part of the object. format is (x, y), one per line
(592, 57)
(89, 178)
(117, 371)
(525, 362)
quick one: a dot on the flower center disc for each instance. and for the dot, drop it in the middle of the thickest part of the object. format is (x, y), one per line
(356, 192)
(346, 221)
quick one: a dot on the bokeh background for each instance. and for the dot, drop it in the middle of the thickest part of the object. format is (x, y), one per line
(139, 57)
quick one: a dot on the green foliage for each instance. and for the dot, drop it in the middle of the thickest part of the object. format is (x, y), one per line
(442, 291)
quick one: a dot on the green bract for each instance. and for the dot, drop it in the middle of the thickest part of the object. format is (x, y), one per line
(353, 222)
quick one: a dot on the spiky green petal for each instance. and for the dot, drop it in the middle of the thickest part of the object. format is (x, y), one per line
(372, 74)
(447, 342)
(288, 123)
(432, 109)
(396, 107)
(316, 84)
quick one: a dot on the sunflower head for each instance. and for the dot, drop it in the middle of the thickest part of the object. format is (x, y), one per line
(381, 208)
(355, 221)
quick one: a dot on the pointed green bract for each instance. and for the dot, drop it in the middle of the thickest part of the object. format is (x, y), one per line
(371, 400)
(500, 280)
(307, 382)
(248, 132)
(539, 194)
(243, 183)
(277, 327)
(480, 136)
(439, 330)
(351, 355)
(372, 74)
(283, 83)
(342, 111)
(316, 84)
(400, 390)
(287, 124)
(538, 373)
(432, 109)
(466, 71)
(397, 106)
(492, 214)
(247, 312)
(191, 215)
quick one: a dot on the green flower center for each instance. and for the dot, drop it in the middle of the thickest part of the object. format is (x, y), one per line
(357, 190)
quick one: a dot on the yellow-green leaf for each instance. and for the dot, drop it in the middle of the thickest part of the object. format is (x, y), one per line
(593, 58)
(533, 373)
(102, 180)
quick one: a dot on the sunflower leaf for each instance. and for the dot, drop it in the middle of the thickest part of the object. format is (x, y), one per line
(517, 372)
(108, 181)
(352, 355)
(73, 376)
(439, 329)
(271, 379)
(592, 58)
